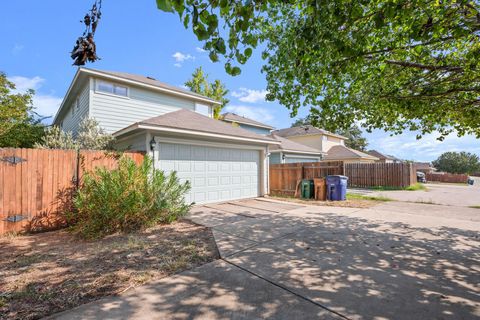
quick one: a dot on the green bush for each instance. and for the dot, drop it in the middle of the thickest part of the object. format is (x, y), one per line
(126, 199)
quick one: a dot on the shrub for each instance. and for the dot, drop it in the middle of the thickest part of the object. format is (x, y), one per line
(126, 199)
(90, 137)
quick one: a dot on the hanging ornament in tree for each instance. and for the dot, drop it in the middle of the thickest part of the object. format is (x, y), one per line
(85, 48)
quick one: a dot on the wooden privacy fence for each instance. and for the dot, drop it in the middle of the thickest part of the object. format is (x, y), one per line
(36, 184)
(447, 177)
(367, 175)
(284, 178)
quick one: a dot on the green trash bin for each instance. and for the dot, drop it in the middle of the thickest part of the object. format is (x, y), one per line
(307, 189)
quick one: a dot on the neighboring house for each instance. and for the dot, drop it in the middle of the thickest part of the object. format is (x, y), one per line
(175, 127)
(348, 155)
(292, 152)
(425, 167)
(313, 137)
(246, 123)
(384, 158)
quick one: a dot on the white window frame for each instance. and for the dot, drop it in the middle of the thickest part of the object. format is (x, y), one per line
(325, 138)
(113, 94)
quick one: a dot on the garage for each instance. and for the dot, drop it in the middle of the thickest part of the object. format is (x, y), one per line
(216, 173)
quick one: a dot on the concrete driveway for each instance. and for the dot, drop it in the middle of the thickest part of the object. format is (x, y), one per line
(436, 193)
(288, 261)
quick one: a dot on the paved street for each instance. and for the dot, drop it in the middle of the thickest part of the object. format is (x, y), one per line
(281, 260)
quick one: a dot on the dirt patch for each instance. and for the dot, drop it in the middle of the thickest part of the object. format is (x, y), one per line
(50, 272)
(354, 203)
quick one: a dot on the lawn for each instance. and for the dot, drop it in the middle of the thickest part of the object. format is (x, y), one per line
(355, 196)
(50, 272)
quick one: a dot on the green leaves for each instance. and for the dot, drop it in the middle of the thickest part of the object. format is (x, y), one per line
(392, 65)
(165, 5)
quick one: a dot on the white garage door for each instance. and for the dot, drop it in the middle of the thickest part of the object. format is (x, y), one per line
(215, 174)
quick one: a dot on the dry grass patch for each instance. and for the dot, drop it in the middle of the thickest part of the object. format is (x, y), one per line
(50, 272)
(349, 203)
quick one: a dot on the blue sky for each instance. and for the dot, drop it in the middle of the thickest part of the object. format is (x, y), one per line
(134, 36)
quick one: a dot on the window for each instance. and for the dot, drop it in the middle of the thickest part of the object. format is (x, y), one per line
(111, 88)
(78, 104)
(203, 109)
(342, 142)
(325, 138)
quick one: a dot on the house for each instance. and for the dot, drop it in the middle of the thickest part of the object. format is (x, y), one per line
(349, 155)
(313, 137)
(176, 128)
(292, 152)
(384, 158)
(425, 167)
(246, 123)
(287, 151)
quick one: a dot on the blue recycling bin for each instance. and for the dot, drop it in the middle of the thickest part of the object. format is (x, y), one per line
(337, 188)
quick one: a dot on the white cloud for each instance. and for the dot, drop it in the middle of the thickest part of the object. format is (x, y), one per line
(200, 50)
(44, 104)
(428, 148)
(254, 113)
(250, 95)
(17, 48)
(181, 57)
(22, 84)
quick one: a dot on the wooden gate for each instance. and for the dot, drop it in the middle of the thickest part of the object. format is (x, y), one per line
(36, 185)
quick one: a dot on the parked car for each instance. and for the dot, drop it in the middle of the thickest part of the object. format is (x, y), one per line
(421, 177)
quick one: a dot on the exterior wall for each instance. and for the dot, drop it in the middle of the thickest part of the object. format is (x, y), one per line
(275, 158)
(313, 141)
(330, 142)
(117, 112)
(294, 159)
(318, 141)
(257, 130)
(137, 142)
(70, 121)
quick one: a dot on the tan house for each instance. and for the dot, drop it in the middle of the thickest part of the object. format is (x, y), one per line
(348, 155)
(313, 137)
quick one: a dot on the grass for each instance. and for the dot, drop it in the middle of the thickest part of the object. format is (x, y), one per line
(354, 196)
(415, 187)
(475, 207)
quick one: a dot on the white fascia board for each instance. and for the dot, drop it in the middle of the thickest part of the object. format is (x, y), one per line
(299, 152)
(191, 132)
(67, 94)
(207, 143)
(149, 86)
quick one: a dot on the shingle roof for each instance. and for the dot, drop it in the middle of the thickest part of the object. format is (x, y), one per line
(190, 120)
(292, 146)
(232, 117)
(150, 81)
(304, 130)
(380, 155)
(342, 152)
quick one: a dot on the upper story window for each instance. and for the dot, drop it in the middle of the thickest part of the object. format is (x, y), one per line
(107, 87)
(325, 138)
(77, 104)
(203, 109)
(342, 142)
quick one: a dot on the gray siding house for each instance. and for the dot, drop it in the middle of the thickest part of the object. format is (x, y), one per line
(176, 128)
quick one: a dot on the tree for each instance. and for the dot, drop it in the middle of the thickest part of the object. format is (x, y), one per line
(24, 134)
(396, 65)
(90, 137)
(457, 162)
(216, 90)
(353, 133)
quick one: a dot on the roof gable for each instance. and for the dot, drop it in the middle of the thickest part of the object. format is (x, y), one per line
(232, 117)
(342, 152)
(184, 119)
(304, 131)
(289, 145)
